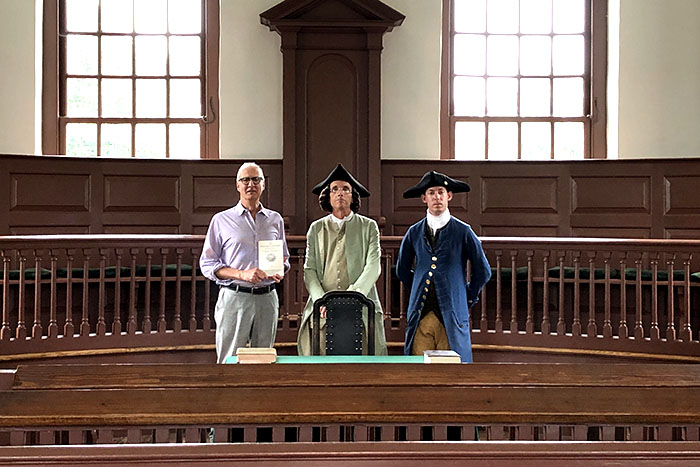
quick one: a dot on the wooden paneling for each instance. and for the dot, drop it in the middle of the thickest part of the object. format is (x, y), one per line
(636, 199)
(142, 193)
(49, 191)
(610, 232)
(676, 196)
(517, 231)
(519, 194)
(610, 195)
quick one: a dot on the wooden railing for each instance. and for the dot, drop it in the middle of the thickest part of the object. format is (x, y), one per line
(92, 294)
(161, 403)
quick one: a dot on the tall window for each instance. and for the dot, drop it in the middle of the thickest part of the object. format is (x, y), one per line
(133, 78)
(518, 79)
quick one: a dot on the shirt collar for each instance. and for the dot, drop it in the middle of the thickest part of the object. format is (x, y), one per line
(240, 209)
(340, 222)
(437, 222)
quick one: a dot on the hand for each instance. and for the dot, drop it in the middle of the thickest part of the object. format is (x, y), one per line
(253, 276)
(277, 277)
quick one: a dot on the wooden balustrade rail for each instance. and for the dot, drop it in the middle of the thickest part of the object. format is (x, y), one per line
(552, 402)
(70, 295)
(502, 454)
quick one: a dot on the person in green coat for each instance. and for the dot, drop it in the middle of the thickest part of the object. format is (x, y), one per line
(342, 253)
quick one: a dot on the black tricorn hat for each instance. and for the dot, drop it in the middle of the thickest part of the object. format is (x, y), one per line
(431, 179)
(339, 173)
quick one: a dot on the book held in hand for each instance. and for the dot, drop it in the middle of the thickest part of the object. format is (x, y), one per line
(256, 355)
(441, 356)
(270, 258)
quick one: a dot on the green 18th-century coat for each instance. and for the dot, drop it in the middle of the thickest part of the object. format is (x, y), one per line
(363, 257)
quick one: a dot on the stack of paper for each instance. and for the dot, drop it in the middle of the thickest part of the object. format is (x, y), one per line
(256, 355)
(441, 356)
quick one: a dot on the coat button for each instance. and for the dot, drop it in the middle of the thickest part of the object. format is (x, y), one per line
(432, 266)
(434, 258)
(427, 281)
(430, 273)
(426, 289)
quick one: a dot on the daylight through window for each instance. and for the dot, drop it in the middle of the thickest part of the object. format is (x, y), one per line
(519, 81)
(132, 77)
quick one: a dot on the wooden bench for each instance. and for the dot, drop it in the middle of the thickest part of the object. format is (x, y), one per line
(133, 396)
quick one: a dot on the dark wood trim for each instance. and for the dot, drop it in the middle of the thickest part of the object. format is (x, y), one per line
(446, 131)
(49, 85)
(210, 149)
(599, 76)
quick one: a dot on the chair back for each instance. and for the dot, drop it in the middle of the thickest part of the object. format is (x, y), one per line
(344, 324)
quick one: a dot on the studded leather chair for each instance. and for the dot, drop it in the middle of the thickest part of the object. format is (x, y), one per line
(344, 324)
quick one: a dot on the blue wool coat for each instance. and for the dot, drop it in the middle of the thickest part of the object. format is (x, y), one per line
(446, 268)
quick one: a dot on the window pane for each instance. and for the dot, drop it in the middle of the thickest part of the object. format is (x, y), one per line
(502, 55)
(470, 15)
(185, 55)
(116, 98)
(568, 55)
(185, 98)
(502, 16)
(469, 140)
(502, 96)
(536, 140)
(184, 141)
(534, 97)
(503, 141)
(81, 139)
(116, 140)
(151, 55)
(150, 98)
(535, 55)
(469, 54)
(150, 140)
(81, 15)
(116, 55)
(81, 55)
(568, 97)
(568, 140)
(185, 16)
(81, 97)
(469, 96)
(569, 16)
(150, 16)
(535, 16)
(117, 15)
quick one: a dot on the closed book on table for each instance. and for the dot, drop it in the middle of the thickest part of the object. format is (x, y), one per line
(256, 355)
(441, 356)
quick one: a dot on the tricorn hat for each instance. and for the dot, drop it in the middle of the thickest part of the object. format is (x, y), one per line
(339, 173)
(431, 179)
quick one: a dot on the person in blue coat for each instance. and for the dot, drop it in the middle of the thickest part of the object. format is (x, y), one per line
(432, 262)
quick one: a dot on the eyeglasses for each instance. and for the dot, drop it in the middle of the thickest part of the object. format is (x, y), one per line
(346, 190)
(255, 180)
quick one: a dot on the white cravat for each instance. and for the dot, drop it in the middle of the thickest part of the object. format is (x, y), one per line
(340, 222)
(437, 222)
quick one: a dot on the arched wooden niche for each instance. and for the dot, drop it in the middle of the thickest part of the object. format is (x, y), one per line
(331, 97)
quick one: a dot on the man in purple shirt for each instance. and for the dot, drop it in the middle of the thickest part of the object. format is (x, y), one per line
(247, 307)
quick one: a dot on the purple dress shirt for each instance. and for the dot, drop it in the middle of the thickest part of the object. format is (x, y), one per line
(232, 241)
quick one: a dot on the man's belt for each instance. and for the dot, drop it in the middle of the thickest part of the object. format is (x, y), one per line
(253, 290)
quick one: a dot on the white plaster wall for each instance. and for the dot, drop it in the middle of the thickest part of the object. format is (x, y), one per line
(659, 87)
(659, 80)
(17, 112)
(411, 82)
(250, 83)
